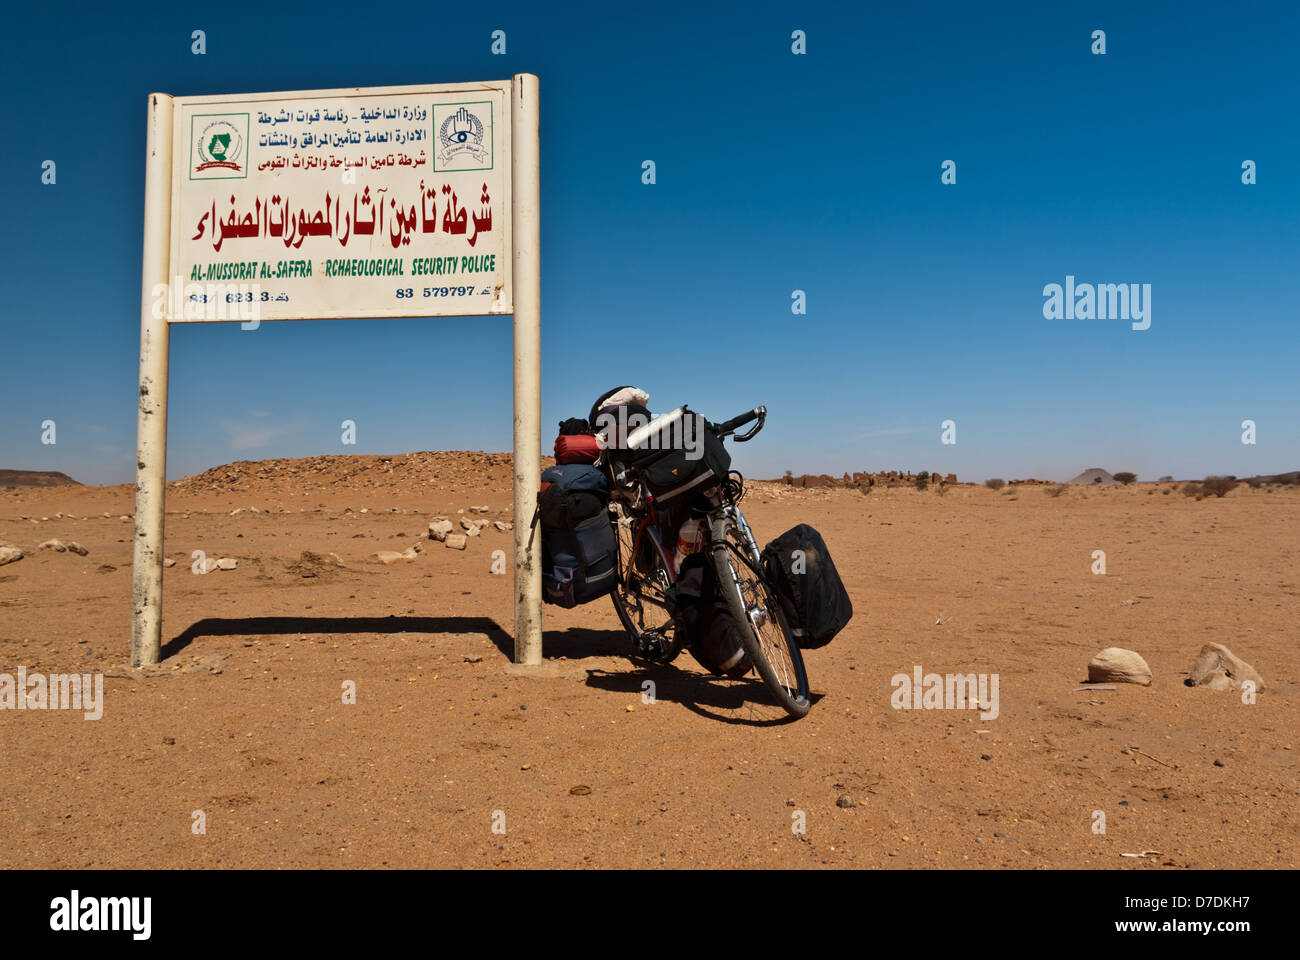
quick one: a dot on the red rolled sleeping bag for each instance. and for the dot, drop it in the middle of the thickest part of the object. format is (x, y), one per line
(576, 448)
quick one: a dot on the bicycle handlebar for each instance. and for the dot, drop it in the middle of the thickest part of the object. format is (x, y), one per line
(730, 426)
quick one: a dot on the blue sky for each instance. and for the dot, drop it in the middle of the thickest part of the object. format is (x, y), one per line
(775, 172)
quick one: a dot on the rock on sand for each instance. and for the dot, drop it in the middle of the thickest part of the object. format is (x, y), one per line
(1220, 669)
(1117, 665)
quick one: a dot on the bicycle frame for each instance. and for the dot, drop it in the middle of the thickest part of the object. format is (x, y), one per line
(648, 527)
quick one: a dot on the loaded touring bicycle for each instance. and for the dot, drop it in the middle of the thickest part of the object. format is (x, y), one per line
(647, 510)
(719, 593)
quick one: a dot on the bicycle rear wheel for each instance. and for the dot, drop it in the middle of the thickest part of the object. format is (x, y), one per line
(768, 639)
(639, 597)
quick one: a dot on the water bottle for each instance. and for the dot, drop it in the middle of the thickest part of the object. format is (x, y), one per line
(690, 539)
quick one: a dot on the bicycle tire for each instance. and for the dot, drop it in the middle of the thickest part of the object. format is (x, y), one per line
(796, 702)
(621, 604)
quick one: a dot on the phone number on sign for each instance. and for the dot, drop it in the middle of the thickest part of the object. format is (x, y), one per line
(409, 293)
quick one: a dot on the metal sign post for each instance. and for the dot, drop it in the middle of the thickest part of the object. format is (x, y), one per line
(360, 202)
(526, 216)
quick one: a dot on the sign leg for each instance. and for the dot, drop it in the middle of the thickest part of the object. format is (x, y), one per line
(151, 423)
(526, 200)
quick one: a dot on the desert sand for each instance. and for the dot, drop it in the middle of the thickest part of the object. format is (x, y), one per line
(452, 756)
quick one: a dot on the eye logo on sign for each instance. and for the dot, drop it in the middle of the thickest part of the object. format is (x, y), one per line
(217, 147)
(464, 140)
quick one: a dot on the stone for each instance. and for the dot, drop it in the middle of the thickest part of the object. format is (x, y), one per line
(456, 541)
(227, 563)
(56, 545)
(1220, 669)
(208, 565)
(468, 525)
(78, 549)
(410, 553)
(169, 562)
(9, 554)
(1117, 665)
(503, 525)
(389, 556)
(439, 529)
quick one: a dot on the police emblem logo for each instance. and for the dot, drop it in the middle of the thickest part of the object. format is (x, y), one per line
(217, 147)
(464, 139)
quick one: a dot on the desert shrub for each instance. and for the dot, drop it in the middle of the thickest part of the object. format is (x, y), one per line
(942, 488)
(997, 483)
(1096, 479)
(1165, 491)
(923, 475)
(1057, 490)
(1254, 483)
(921, 483)
(1219, 485)
(1126, 477)
(1166, 479)
(1192, 490)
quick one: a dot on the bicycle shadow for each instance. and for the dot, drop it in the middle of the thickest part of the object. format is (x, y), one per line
(698, 692)
(701, 693)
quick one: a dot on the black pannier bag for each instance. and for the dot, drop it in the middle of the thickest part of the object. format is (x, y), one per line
(579, 545)
(808, 586)
(709, 630)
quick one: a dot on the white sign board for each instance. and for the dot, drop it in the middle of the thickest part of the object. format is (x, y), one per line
(378, 202)
(383, 202)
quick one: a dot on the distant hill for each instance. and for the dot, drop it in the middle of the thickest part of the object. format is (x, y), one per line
(36, 478)
(1094, 476)
(1293, 478)
(355, 472)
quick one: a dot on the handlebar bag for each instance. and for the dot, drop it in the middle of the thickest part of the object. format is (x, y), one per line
(808, 586)
(680, 471)
(579, 544)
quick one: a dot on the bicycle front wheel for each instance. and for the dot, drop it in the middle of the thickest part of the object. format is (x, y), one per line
(767, 637)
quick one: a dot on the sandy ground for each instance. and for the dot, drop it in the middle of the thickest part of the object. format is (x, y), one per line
(453, 757)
